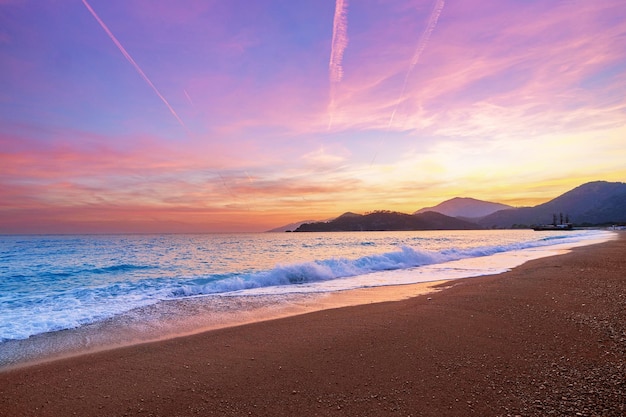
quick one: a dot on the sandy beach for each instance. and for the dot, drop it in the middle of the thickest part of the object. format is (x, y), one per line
(547, 338)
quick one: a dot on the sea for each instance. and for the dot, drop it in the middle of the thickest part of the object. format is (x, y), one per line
(65, 294)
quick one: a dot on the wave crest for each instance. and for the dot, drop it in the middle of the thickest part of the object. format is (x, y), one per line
(324, 270)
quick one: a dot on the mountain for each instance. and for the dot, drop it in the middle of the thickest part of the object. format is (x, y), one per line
(293, 226)
(289, 227)
(389, 220)
(465, 207)
(593, 203)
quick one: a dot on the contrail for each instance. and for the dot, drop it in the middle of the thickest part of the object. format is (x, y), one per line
(421, 45)
(189, 97)
(133, 63)
(339, 41)
(337, 48)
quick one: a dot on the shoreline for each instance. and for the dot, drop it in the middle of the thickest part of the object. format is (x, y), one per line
(111, 334)
(179, 318)
(547, 337)
(185, 317)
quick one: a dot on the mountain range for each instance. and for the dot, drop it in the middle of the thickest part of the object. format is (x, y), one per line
(389, 220)
(593, 203)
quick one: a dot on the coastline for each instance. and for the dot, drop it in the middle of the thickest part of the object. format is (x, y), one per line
(190, 317)
(187, 316)
(549, 335)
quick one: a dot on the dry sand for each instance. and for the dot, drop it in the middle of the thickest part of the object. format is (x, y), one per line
(548, 338)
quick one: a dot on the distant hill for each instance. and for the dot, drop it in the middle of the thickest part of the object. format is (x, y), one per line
(465, 207)
(593, 203)
(293, 226)
(289, 227)
(389, 220)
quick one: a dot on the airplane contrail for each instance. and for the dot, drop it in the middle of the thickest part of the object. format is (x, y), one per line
(339, 41)
(338, 46)
(188, 97)
(421, 45)
(133, 63)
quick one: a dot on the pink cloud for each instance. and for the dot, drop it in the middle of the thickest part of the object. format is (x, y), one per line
(253, 86)
(549, 50)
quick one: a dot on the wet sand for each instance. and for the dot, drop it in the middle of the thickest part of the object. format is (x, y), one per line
(548, 338)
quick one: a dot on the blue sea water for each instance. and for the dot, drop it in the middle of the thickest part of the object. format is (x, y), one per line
(58, 282)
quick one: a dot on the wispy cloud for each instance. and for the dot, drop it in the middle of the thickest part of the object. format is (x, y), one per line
(338, 46)
(133, 63)
(448, 97)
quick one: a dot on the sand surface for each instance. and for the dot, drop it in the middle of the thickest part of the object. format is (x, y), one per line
(548, 338)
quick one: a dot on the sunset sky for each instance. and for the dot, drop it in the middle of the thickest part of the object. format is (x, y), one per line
(241, 115)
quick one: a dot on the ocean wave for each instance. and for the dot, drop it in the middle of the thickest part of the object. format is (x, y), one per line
(61, 303)
(329, 269)
(118, 268)
(40, 274)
